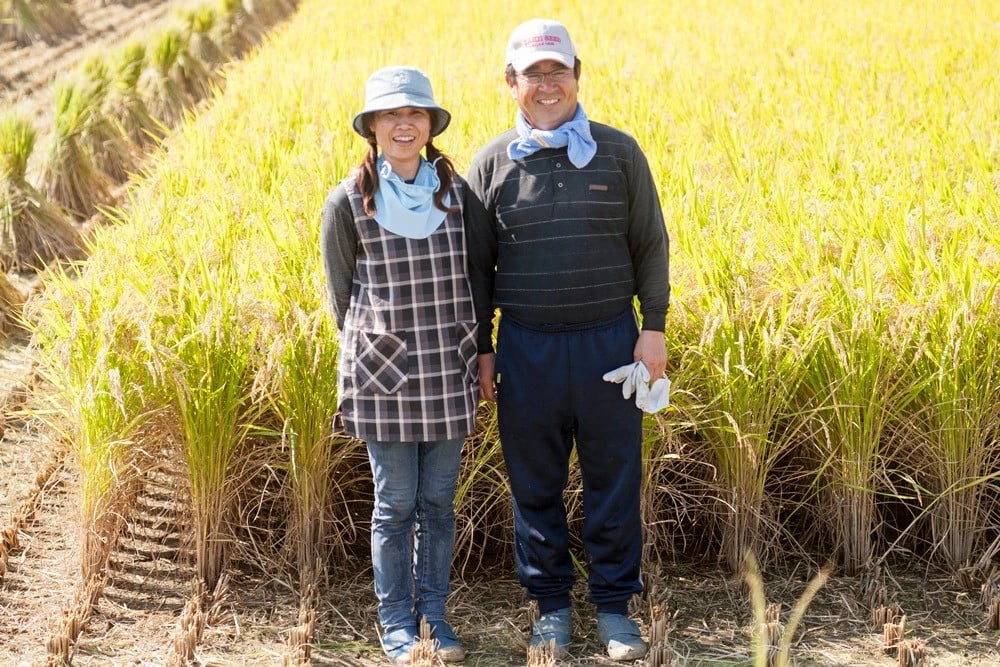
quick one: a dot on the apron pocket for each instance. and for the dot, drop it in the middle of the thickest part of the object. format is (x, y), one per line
(468, 352)
(382, 363)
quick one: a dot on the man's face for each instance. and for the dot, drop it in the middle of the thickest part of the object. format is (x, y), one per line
(546, 93)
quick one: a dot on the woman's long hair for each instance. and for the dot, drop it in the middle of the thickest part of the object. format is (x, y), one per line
(367, 179)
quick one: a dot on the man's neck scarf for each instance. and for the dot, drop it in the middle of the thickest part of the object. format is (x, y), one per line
(574, 134)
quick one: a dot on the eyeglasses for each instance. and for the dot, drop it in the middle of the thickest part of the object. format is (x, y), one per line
(561, 75)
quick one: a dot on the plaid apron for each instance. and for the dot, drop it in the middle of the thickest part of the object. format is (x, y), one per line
(407, 368)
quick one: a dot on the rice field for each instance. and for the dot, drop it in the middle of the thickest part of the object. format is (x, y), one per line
(829, 176)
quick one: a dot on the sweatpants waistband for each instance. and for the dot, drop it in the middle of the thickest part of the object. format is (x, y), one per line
(573, 327)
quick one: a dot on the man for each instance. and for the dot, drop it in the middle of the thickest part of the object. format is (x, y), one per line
(574, 232)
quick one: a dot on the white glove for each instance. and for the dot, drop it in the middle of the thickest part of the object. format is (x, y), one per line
(627, 376)
(659, 396)
(634, 378)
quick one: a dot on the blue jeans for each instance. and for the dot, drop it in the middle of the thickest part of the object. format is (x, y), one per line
(413, 528)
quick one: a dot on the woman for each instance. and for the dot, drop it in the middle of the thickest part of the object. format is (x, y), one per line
(393, 242)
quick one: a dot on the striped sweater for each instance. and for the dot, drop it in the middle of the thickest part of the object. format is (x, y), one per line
(567, 245)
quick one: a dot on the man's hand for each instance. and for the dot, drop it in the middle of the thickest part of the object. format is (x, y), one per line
(487, 376)
(650, 349)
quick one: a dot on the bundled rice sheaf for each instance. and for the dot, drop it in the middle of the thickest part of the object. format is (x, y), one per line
(269, 12)
(33, 231)
(201, 24)
(70, 176)
(102, 136)
(125, 102)
(167, 98)
(196, 78)
(238, 30)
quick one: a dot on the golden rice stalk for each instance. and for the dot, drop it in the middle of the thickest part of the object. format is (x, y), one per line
(772, 643)
(58, 647)
(299, 647)
(990, 588)
(993, 618)
(17, 141)
(769, 633)
(221, 598)
(423, 652)
(659, 624)
(9, 541)
(542, 655)
(294, 379)
(192, 624)
(872, 591)
(9, 536)
(33, 231)
(912, 653)
(886, 614)
(892, 636)
(659, 654)
(73, 620)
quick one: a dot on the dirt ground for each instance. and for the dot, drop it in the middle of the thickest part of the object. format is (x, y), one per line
(26, 73)
(138, 617)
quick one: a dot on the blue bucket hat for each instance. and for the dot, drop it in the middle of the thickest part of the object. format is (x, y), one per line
(397, 87)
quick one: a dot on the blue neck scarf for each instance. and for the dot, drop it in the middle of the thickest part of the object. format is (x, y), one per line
(573, 134)
(408, 209)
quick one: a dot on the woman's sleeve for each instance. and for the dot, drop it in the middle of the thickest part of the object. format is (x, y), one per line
(339, 245)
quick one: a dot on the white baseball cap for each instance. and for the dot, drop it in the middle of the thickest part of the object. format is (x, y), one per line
(537, 40)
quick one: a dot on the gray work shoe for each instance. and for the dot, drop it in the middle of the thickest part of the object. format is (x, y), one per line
(621, 636)
(554, 628)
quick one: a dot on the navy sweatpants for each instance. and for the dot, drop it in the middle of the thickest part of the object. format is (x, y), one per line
(550, 395)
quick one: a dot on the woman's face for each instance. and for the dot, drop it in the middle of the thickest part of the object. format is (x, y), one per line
(401, 134)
